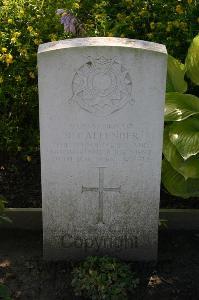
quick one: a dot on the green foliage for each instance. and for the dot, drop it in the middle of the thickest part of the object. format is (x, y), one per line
(3, 217)
(192, 61)
(185, 137)
(180, 106)
(103, 278)
(170, 22)
(180, 168)
(162, 224)
(4, 293)
(177, 184)
(175, 75)
(187, 168)
(24, 25)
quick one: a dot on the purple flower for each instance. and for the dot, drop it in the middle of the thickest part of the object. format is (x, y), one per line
(70, 22)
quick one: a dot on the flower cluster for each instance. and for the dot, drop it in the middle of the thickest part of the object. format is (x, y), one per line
(24, 25)
(68, 19)
(70, 22)
(6, 57)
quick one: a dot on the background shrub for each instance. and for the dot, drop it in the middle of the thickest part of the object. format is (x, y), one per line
(173, 23)
(24, 25)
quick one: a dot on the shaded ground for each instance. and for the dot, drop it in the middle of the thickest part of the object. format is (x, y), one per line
(20, 183)
(20, 180)
(176, 276)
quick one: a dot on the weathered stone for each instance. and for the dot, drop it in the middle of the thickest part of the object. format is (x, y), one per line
(101, 123)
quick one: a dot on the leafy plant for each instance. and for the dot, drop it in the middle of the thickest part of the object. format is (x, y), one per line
(4, 293)
(192, 61)
(3, 217)
(180, 168)
(24, 25)
(103, 278)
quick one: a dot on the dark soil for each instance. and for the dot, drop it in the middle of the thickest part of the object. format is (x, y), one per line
(169, 201)
(28, 277)
(20, 180)
(20, 184)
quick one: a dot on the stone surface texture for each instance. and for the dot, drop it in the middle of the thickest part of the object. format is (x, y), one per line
(101, 126)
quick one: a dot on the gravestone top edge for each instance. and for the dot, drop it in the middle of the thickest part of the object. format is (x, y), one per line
(102, 42)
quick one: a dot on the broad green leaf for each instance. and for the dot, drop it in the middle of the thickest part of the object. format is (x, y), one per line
(176, 184)
(185, 137)
(188, 168)
(170, 151)
(175, 76)
(180, 106)
(192, 61)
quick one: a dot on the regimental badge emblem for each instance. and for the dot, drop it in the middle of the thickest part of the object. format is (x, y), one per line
(102, 86)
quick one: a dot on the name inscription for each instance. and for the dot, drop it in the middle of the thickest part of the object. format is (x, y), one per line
(107, 142)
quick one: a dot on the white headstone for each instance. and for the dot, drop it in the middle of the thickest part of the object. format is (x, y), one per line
(101, 123)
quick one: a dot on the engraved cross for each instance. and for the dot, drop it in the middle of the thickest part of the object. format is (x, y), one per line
(101, 189)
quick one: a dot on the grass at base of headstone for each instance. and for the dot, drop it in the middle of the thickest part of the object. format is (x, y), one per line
(103, 278)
